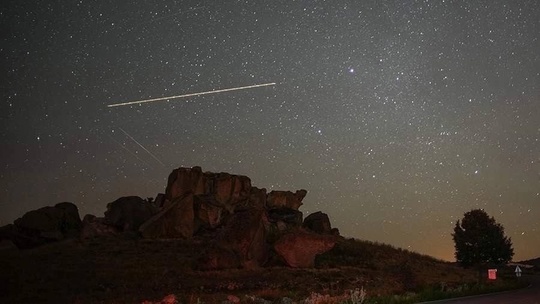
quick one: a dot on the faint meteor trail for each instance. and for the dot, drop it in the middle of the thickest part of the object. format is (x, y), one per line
(192, 94)
(129, 151)
(151, 154)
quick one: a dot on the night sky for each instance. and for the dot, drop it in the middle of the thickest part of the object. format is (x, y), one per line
(397, 116)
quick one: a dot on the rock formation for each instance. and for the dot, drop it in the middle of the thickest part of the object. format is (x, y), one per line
(241, 243)
(318, 222)
(285, 199)
(285, 218)
(209, 213)
(243, 217)
(159, 201)
(44, 225)
(93, 227)
(257, 198)
(174, 221)
(129, 213)
(245, 236)
(238, 223)
(299, 248)
(228, 190)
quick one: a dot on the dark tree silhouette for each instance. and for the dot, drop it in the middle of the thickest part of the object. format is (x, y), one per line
(480, 240)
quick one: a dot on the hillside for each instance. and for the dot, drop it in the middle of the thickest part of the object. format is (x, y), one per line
(123, 270)
(210, 237)
(535, 262)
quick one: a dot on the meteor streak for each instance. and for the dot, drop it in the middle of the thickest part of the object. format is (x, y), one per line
(129, 151)
(151, 154)
(192, 94)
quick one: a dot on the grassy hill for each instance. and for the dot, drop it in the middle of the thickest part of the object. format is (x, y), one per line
(535, 262)
(133, 270)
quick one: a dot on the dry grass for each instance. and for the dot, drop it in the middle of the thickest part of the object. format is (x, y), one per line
(130, 271)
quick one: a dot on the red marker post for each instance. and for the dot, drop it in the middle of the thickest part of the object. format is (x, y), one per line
(492, 274)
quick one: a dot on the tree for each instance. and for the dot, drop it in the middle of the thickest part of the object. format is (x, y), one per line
(480, 240)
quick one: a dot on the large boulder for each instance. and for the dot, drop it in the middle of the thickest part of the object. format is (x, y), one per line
(44, 225)
(71, 224)
(159, 201)
(97, 227)
(228, 190)
(285, 218)
(285, 199)
(257, 198)
(299, 248)
(185, 180)
(318, 222)
(7, 232)
(245, 236)
(175, 221)
(208, 212)
(23, 240)
(129, 213)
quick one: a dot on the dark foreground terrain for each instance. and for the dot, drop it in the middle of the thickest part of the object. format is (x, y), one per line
(120, 270)
(528, 295)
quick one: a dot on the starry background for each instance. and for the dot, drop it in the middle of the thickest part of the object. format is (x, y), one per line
(396, 116)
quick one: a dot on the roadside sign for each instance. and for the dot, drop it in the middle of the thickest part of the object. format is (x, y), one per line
(518, 271)
(492, 274)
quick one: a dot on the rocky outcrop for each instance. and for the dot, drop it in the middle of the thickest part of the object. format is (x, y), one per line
(6, 232)
(209, 213)
(44, 225)
(227, 189)
(257, 198)
(174, 221)
(285, 218)
(185, 180)
(244, 237)
(318, 222)
(70, 221)
(96, 227)
(243, 215)
(238, 224)
(129, 213)
(299, 248)
(159, 201)
(215, 196)
(285, 199)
